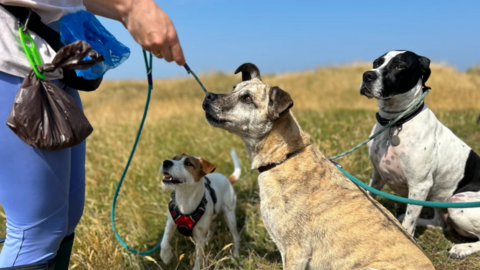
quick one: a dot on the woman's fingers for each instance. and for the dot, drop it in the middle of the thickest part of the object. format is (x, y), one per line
(158, 55)
(177, 53)
(154, 31)
(176, 49)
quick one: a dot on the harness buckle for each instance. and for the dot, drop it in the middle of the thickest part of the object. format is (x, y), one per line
(186, 222)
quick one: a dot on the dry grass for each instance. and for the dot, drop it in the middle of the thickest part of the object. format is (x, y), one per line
(327, 105)
(318, 90)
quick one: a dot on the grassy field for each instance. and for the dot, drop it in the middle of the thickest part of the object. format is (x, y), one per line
(327, 105)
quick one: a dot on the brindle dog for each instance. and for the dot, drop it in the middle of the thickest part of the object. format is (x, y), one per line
(316, 216)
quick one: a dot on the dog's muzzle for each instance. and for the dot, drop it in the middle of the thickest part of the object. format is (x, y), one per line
(168, 179)
(211, 110)
(211, 96)
(167, 164)
(369, 76)
(364, 91)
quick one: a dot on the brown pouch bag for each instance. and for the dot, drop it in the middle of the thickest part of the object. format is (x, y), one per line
(43, 115)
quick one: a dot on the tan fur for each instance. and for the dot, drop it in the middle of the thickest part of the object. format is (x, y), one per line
(316, 216)
(201, 166)
(196, 172)
(313, 211)
(232, 179)
(206, 167)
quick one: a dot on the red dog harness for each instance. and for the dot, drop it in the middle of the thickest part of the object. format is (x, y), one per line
(186, 222)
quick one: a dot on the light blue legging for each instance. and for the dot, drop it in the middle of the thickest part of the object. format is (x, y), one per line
(41, 192)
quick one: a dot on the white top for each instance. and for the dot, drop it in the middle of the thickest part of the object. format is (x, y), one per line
(12, 57)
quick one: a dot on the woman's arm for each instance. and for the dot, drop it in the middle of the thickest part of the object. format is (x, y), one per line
(149, 25)
(100, 10)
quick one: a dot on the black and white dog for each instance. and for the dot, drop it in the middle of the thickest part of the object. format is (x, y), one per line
(419, 157)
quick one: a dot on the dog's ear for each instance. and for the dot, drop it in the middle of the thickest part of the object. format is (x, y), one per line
(207, 167)
(249, 71)
(425, 67)
(279, 102)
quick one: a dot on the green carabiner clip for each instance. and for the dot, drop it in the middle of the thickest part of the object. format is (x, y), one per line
(31, 52)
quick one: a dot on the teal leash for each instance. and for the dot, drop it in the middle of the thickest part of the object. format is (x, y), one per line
(148, 66)
(189, 71)
(407, 111)
(407, 200)
(390, 196)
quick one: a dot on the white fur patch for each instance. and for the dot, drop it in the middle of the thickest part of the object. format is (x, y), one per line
(377, 86)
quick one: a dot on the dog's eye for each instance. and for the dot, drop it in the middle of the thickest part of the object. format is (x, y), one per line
(399, 67)
(188, 163)
(375, 64)
(247, 99)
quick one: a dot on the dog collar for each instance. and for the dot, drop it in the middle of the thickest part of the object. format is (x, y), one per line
(270, 166)
(383, 121)
(186, 222)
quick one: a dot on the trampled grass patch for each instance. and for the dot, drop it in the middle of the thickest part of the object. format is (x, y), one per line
(327, 105)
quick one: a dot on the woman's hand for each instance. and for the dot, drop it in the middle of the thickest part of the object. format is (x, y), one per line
(149, 25)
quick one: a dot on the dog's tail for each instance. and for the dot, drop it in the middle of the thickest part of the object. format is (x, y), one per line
(237, 169)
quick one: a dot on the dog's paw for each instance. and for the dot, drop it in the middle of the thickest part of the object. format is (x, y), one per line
(460, 251)
(166, 255)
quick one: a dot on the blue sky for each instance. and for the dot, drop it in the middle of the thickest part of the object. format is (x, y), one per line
(281, 36)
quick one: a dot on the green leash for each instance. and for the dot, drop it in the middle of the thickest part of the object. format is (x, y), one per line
(148, 66)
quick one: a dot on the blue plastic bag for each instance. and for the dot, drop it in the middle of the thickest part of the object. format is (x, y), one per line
(83, 25)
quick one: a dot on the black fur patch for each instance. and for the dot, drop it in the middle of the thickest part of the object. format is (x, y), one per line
(400, 74)
(471, 176)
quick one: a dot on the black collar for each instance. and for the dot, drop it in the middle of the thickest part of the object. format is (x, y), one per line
(383, 121)
(270, 166)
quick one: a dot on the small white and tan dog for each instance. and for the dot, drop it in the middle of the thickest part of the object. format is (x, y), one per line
(198, 196)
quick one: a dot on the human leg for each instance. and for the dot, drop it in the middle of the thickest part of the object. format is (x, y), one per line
(34, 194)
(76, 196)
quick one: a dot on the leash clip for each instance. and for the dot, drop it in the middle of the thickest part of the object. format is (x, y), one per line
(335, 163)
(25, 25)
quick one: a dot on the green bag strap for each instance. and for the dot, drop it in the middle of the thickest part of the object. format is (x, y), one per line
(31, 51)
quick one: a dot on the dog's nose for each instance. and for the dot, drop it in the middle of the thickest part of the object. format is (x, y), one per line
(211, 96)
(167, 164)
(369, 76)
